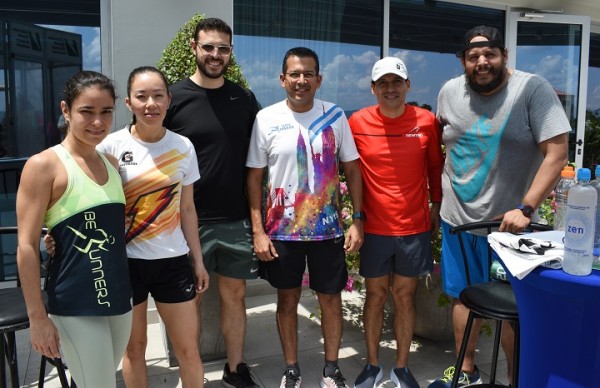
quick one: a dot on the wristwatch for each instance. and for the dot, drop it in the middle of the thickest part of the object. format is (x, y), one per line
(359, 215)
(526, 210)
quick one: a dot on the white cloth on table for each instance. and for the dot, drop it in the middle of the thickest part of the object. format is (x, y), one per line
(522, 253)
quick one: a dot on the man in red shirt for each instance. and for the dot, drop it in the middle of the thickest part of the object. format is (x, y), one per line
(401, 162)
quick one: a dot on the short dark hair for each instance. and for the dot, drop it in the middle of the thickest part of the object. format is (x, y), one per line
(492, 34)
(212, 24)
(300, 52)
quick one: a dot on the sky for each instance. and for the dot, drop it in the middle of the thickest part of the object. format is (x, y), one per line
(346, 68)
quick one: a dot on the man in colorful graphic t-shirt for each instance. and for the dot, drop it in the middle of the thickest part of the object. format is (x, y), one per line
(301, 140)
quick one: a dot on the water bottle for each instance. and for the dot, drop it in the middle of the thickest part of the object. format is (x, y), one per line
(579, 225)
(596, 184)
(567, 179)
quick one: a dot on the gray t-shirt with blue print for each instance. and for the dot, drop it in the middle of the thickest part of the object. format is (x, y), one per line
(492, 152)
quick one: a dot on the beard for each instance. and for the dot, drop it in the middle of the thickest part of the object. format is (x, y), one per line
(204, 69)
(497, 80)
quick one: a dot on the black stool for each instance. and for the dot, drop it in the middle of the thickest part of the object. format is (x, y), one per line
(13, 317)
(494, 300)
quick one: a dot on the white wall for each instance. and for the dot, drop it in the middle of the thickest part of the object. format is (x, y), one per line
(135, 32)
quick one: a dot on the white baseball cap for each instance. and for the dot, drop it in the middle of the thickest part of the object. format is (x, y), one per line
(389, 65)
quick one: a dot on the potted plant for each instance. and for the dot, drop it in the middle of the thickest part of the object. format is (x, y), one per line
(433, 306)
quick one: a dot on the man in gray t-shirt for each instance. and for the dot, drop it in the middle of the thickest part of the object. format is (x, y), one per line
(505, 133)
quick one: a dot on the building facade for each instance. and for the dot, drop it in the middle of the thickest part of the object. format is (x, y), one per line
(557, 39)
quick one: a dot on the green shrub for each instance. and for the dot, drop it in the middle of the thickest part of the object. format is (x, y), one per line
(178, 62)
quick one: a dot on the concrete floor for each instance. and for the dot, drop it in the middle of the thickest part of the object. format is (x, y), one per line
(263, 351)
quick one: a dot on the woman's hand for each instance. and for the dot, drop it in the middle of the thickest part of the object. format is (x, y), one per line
(44, 337)
(50, 244)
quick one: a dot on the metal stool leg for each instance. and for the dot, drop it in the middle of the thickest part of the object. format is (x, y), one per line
(60, 371)
(516, 356)
(11, 357)
(42, 374)
(2, 358)
(463, 349)
(496, 351)
(60, 368)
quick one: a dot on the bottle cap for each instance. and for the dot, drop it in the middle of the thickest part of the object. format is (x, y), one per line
(584, 174)
(597, 172)
(568, 172)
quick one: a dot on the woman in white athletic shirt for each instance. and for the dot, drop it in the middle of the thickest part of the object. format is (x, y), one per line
(158, 168)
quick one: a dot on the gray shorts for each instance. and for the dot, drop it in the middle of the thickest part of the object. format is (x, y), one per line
(405, 255)
(227, 249)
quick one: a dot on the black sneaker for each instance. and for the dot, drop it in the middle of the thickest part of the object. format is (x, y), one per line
(241, 378)
(370, 377)
(291, 379)
(334, 380)
(402, 378)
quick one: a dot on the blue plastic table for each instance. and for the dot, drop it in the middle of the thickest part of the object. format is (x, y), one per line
(559, 316)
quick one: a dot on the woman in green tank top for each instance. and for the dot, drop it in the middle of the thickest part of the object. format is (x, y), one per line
(76, 192)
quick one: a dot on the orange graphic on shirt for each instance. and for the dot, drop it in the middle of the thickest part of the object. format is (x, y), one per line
(153, 198)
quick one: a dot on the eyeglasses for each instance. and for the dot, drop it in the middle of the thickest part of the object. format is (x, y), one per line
(307, 76)
(210, 48)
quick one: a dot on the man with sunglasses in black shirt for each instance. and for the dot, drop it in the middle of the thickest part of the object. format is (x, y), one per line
(217, 116)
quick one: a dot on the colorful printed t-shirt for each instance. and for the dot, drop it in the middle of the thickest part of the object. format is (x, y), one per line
(153, 176)
(302, 152)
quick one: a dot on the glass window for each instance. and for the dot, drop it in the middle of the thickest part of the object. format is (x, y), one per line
(4, 118)
(591, 152)
(426, 35)
(553, 51)
(29, 110)
(346, 35)
(593, 97)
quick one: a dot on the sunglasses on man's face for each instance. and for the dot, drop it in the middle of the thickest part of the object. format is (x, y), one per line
(210, 48)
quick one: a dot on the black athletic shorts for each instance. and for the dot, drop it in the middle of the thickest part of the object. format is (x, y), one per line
(169, 280)
(326, 265)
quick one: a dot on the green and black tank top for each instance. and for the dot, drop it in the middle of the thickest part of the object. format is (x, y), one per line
(88, 274)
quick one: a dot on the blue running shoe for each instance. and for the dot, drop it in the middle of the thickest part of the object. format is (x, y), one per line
(369, 377)
(402, 378)
(464, 379)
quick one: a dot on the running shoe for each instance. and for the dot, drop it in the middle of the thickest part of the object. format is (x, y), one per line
(241, 378)
(402, 378)
(334, 380)
(370, 377)
(464, 379)
(291, 379)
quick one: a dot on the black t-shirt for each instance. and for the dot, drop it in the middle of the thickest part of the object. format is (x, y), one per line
(219, 123)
